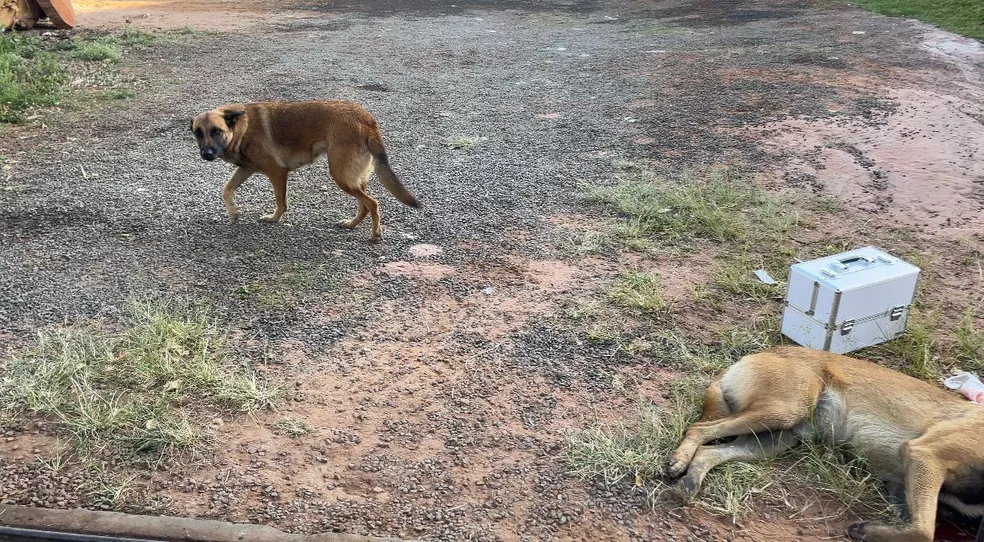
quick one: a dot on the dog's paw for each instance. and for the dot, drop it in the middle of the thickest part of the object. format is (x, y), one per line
(677, 464)
(269, 219)
(858, 530)
(344, 224)
(376, 239)
(233, 218)
(689, 485)
(683, 491)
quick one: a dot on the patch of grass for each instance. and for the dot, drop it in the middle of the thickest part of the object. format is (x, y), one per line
(29, 78)
(964, 17)
(110, 490)
(463, 142)
(734, 274)
(601, 333)
(970, 340)
(34, 73)
(291, 428)
(292, 284)
(641, 291)
(96, 51)
(131, 37)
(636, 452)
(917, 351)
(722, 207)
(685, 354)
(143, 390)
(829, 204)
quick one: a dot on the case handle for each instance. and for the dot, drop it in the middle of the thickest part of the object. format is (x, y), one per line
(843, 263)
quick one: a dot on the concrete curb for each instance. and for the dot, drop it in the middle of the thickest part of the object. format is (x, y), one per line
(171, 529)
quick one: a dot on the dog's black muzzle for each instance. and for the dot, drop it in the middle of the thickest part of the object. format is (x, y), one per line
(209, 154)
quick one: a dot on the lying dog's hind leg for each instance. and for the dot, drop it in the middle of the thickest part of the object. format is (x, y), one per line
(759, 446)
(715, 408)
(767, 415)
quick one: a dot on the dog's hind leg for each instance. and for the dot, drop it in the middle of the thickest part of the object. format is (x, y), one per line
(759, 446)
(768, 414)
(360, 210)
(229, 191)
(715, 407)
(349, 166)
(279, 181)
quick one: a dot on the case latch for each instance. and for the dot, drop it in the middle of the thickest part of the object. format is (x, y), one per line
(847, 326)
(897, 312)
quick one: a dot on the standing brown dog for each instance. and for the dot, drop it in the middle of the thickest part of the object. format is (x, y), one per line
(915, 436)
(275, 138)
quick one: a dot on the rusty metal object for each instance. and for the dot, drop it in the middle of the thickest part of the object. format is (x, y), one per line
(22, 14)
(61, 12)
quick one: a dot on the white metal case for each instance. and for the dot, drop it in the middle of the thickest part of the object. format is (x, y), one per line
(848, 301)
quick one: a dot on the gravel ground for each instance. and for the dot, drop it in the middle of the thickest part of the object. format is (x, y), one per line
(147, 210)
(451, 433)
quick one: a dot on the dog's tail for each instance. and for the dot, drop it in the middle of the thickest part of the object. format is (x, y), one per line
(385, 173)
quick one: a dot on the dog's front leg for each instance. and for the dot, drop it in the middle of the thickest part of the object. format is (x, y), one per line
(239, 175)
(924, 476)
(279, 181)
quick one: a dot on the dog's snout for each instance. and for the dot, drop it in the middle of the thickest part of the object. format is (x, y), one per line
(209, 154)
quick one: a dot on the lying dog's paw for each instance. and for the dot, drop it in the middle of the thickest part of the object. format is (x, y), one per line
(682, 492)
(858, 530)
(689, 484)
(676, 465)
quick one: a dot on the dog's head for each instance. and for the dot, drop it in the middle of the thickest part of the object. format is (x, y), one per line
(213, 129)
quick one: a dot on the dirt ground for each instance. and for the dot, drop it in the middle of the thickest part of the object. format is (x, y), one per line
(438, 369)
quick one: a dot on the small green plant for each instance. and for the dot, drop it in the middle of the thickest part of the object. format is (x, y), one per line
(642, 291)
(146, 389)
(110, 491)
(291, 428)
(96, 51)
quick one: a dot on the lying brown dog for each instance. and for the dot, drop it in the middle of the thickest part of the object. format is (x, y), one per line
(275, 138)
(914, 435)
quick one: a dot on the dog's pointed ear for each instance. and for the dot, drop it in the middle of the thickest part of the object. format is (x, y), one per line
(232, 113)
